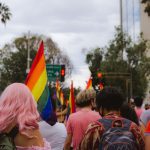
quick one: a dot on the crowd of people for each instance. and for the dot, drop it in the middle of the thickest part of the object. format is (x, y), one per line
(103, 120)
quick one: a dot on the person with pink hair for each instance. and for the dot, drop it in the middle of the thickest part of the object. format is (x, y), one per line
(18, 111)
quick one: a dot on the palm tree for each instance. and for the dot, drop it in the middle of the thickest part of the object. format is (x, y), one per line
(4, 13)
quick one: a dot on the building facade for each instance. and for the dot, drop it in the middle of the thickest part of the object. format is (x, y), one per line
(145, 29)
(145, 25)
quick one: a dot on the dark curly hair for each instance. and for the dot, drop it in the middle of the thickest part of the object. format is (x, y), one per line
(138, 101)
(129, 113)
(110, 98)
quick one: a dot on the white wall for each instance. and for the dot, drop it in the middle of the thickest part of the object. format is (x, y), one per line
(145, 23)
(145, 28)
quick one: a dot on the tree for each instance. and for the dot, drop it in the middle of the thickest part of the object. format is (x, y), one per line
(94, 60)
(122, 62)
(14, 57)
(147, 7)
(4, 13)
(13, 68)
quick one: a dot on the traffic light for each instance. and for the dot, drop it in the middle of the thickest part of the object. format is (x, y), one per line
(100, 80)
(62, 73)
(99, 75)
(101, 86)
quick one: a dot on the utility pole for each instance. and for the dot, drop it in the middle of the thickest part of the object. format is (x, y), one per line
(121, 27)
(121, 16)
(133, 21)
(28, 53)
(127, 18)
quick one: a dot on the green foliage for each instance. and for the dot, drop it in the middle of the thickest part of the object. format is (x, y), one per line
(4, 13)
(123, 64)
(94, 59)
(116, 47)
(14, 67)
(147, 7)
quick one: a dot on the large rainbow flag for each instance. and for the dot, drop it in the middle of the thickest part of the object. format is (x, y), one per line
(37, 83)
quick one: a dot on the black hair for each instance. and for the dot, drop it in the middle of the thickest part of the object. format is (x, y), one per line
(63, 107)
(128, 112)
(147, 106)
(52, 119)
(138, 101)
(110, 98)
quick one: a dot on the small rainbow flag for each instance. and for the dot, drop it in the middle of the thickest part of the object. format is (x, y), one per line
(62, 97)
(58, 89)
(72, 99)
(37, 83)
(89, 84)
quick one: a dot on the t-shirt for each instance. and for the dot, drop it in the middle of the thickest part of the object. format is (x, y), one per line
(139, 111)
(78, 123)
(55, 134)
(147, 130)
(145, 117)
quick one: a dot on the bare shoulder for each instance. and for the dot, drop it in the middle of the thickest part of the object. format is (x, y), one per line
(31, 138)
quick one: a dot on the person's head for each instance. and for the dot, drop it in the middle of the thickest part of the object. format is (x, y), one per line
(138, 101)
(109, 99)
(52, 119)
(147, 106)
(18, 107)
(128, 112)
(85, 98)
(131, 102)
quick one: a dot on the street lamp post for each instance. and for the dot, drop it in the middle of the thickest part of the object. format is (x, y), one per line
(28, 54)
(121, 16)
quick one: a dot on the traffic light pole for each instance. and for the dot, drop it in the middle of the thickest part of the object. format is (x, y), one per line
(127, 76)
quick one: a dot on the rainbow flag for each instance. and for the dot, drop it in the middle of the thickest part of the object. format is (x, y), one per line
(58, 89)
(37, 83)
(89, 84)
(72, 99)
(62, 97)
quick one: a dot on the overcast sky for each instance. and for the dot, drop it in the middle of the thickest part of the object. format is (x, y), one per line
(72, 24)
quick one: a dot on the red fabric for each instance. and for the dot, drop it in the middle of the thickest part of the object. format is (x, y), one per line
(139, 111)
(147, 130)
(72, 99)
(78, 123)
(89, 84)
(36, 60)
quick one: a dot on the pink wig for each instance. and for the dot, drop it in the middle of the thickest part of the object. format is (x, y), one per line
(18, 106)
